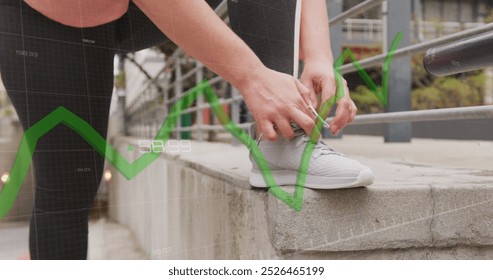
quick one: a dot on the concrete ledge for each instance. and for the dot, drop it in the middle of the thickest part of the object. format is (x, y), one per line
(424, 204)
(385, 217)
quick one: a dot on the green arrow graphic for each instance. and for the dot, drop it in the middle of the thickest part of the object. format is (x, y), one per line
(383, 94)
(129, 170)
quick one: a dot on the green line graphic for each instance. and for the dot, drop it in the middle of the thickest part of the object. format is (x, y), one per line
(129, 170)
(382, 95)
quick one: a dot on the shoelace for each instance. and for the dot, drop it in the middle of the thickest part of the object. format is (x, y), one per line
(321, 148)
(315, 113)
(318, 116)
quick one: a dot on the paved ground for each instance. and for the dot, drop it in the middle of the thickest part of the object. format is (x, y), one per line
(107, 240)
(429, 152)
(424, 161)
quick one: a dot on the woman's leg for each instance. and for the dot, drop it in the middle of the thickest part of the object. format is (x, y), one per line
(135, 31)
(268, 29)
(45, 65)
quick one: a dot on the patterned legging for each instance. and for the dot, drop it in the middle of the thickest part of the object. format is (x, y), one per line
(45, 64)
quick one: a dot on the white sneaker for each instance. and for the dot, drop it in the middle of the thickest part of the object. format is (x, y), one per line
(328, 169)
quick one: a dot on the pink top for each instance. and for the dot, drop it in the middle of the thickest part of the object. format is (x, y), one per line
(80, 13)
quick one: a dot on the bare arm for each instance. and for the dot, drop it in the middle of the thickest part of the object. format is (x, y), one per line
(273, 98)
(315, 33)
(318, 73)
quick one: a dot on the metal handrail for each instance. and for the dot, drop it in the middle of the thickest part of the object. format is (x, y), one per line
(464, 113)
(372, 29)
(418, 48)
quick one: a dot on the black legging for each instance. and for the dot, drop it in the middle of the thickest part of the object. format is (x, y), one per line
(45, 65)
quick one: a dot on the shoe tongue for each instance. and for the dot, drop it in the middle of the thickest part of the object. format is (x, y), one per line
(298, 131)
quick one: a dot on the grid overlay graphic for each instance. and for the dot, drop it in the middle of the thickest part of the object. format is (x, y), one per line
(45, 65)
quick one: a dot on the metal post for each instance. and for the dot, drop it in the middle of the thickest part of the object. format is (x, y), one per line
(178, 90)
(488, 87)
(418, 20)
(122, 93)
(400, 76)
(166, 96)
(336, 38)
(235, 110)
(199, 76)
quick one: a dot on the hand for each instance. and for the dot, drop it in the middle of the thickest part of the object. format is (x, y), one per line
(319, 78)
(275, 99)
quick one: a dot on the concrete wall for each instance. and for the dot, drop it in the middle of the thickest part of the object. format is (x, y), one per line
(200, 206)
(177, 212)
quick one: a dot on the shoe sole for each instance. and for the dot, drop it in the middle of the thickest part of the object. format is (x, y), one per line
(288, 178)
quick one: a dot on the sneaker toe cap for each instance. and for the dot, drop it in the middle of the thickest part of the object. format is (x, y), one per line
(365, 177)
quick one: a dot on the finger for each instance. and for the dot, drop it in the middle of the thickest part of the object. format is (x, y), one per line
(344, 113)
(285, 128)
(341, 118)
(305, 93)
(313, 94)
(328, 90)
(353, 112)
(267, 128)
(303, 102)
(352, 107)
(305, 122)
(335, 124)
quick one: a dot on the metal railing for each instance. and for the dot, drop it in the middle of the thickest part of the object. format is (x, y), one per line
(371, 30)
(147, 113)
